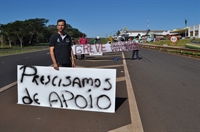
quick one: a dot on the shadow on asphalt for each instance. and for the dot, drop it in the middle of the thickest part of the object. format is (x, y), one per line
(119, 102)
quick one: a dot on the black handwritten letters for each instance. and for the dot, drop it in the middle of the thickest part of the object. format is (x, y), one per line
(65, 82)
(97, 48)
(29, 99)
(62, 94)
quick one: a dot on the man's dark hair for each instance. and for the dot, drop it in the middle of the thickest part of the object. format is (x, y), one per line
(83, 35)
(61, 20)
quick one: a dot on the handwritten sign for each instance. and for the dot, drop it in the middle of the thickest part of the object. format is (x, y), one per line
(86, 89)
(101, 48)
(95, 54)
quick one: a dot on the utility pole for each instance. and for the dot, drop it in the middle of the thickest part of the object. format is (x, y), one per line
(185, 27)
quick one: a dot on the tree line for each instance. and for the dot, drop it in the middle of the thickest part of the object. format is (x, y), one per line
(31, 32)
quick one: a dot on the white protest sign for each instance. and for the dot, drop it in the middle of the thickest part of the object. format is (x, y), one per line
(96, 53)
(86, 89)
(101, 48)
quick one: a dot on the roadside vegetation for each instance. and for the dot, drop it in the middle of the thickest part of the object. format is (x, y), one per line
(5, 50)
(180, 43)
(31, 32)
(104, 40)
(29, 35)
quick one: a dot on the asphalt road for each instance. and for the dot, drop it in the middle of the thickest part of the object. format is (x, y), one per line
(166, 87)
(14, 117)
(167, 90)
(9, 64)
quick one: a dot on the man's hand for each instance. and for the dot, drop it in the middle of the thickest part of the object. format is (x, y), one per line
(73, 64)
(56, 67)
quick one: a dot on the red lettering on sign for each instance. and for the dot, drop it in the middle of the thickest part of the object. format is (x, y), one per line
(103, 48)
(91, 49)
(97, 46)
(85, 48)
(79, 51)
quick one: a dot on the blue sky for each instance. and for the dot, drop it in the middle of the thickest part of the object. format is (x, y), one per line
(104, 17)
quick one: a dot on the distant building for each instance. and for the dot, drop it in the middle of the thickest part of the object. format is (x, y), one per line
(181, 31)
(133, 33)
(193, 31)
(189, 31)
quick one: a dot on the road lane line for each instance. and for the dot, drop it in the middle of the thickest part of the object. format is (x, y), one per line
(135, 116)
(107, 66)
(8, 86)
(136, 124)
(119, 79)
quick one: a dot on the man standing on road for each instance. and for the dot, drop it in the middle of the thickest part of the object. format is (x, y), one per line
(82, 41)
(136, 48)
(60, 47)
(95, 41)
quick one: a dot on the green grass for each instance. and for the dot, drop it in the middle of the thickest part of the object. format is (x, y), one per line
(186, 53)
(192, 46)
(104, 40)
(180, 42)
(17, 49)
(42, 44)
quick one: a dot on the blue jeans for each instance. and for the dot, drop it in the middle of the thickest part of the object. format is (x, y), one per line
(137, 54)
(82, 56)
(76, 56)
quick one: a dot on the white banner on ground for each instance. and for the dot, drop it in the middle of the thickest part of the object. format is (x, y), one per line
(100, 48)
(86, 89)
(98, 53)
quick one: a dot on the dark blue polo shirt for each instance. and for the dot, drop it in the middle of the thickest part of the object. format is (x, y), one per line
(62, 48)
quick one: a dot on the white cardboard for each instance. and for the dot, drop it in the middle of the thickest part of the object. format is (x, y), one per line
(42, 92)
(101, 48)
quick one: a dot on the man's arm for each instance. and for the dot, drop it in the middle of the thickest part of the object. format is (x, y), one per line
(55, 65)
(79, 41)
(72, 58)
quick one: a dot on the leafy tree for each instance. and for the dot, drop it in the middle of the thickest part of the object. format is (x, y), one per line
(1, 35)
(20, 30)
(31, 31)
(34, 26)
(118, 33)
(52, 28)
(7, 30)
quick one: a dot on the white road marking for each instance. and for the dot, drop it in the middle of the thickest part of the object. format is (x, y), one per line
(108, 66)
(8, 86)
(136, 124)
(119, 79)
